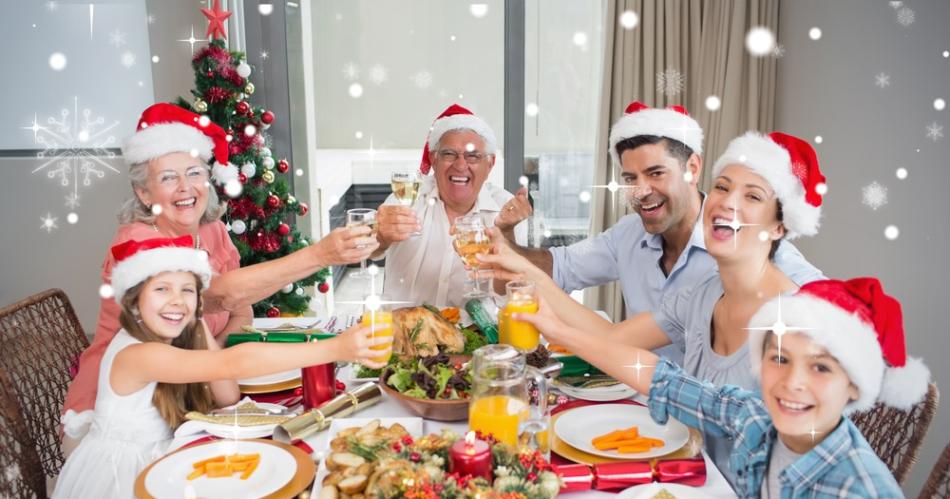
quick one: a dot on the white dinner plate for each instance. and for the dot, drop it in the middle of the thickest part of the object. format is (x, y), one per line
(168, 477)
(347, 374)
(619, 391)
(647, 491)
(271, 379)
(577, 427)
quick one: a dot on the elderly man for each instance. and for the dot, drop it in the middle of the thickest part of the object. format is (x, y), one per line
(460, 152)
(660, 248)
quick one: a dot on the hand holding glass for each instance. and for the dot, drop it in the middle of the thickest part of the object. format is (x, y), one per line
(522, 299)
(359, 217)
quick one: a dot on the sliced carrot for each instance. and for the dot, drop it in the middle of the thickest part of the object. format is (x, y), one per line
(198, 472)
(202, 463)
(633, 449)
(250, 469)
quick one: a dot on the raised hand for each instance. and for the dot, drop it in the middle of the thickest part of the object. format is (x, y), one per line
(343, 246)
(356, 343)
(513, 212)
(396, 223)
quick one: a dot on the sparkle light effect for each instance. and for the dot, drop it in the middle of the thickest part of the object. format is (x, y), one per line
(814, 33)
(579, 38)
(373, 302)
(901, 173)
(891, 232)
(735, 224)
(191, 40)
(935, 131)
(356, 90)
(670, 82)
(49, 223)
(713, 103)
(939, 104)
(882, 80)
(638, 366)
(629, 19)
(779, 327)
(75, 147)
(760, 41)
(874, 195)
(478, 9)
(57, 61)
(265, 9)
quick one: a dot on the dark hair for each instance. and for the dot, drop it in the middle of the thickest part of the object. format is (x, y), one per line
(775, 244)
(674, 148)
(172, 400)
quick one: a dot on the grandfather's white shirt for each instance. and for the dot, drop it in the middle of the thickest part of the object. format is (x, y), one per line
(426, 268)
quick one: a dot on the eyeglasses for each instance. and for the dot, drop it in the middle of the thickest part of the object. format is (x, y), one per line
(451, 156)
(195, 175)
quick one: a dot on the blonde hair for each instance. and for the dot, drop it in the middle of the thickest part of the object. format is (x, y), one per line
(134, 210)
(172, 400)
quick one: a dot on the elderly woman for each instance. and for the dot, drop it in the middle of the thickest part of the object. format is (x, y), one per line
(168, 168)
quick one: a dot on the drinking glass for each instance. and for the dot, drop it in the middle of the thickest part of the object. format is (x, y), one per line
(358, 217)
(406, 186)
(522, 298)
(469, 242)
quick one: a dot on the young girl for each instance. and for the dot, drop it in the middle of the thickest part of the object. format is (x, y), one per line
(832, 348)
(164, 363)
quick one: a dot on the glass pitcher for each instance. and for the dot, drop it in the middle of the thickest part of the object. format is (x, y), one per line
(502, 402)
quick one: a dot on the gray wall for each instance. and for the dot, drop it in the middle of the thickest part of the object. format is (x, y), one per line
(827, 88)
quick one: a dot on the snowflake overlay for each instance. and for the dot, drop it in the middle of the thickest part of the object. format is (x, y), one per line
(670, 82)
(905, 16)
(75, 147)
(351, 71)
(874, 195)
(49, 223)
(378, 74)
(422, 79)
(935, 131)
(882, 80)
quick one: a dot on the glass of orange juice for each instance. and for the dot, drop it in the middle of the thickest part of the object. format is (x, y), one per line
(522, 298)
(381, 323)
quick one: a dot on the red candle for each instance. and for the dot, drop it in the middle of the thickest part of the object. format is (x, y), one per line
(472, 457)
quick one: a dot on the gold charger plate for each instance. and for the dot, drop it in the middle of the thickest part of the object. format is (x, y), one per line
(306, 471)
(271, 388)
(692, 447)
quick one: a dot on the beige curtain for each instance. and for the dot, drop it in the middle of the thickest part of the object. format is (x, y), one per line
(698, 48)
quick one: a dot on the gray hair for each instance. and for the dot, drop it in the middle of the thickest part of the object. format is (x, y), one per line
(488, 143)
(134, 210)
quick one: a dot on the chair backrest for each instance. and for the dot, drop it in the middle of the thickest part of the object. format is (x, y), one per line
(21, 474)
(895, 435)
(938, 483)
(40, 339)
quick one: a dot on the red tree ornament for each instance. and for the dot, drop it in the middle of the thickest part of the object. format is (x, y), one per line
(323, 287)
(283, 166)
(283, 229)
(303, 209)
(242, 178)
(273, 201)
(273, 312)
(242, 107)
(215, 95)
(267, 117)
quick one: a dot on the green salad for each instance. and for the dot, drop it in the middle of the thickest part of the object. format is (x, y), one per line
(432, 377)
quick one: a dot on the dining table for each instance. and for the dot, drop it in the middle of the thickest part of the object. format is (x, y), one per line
(716, 485)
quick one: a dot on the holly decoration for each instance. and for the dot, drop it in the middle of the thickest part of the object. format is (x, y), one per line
(263, 226)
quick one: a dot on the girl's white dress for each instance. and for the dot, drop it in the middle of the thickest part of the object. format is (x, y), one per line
(127, 434)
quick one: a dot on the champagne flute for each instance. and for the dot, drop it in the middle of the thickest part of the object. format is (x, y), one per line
(406, 186)
(469, 242)
(359, 217)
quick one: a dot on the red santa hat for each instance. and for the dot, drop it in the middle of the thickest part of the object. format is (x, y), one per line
(456, 117)
(166, 128)
(861, 327)
(136, 261)
(790, 166)
(672, 123)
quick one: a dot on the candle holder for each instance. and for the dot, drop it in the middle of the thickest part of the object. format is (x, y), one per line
(471, 457)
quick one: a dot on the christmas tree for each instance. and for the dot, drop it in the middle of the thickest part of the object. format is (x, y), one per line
(261, 210)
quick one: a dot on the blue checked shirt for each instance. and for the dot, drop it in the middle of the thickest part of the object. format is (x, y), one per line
(841, 466)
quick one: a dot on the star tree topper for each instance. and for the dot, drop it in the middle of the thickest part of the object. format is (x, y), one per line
(216, 18)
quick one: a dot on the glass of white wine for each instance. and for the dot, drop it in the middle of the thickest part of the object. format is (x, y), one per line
(406, 186)
(469, 242)
(359, 217)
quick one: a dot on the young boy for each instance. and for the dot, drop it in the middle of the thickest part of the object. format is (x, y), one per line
(832, 348)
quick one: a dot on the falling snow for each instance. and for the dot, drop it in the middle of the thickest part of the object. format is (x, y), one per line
(882, 80)
(378, 74)
(351, 71)
(422, 79)
(935, 131)
(874, 195)
(49, 223)
(127, 59)
(670, 82)
(117, 38)
(76, 146)
(905, 16)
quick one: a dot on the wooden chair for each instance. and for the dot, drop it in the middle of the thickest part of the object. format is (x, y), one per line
(40, 338)
(895, 435)
(21, 474)
(938, 483)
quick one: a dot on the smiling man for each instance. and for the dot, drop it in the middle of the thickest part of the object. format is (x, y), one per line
(659, 248)
(459, 153)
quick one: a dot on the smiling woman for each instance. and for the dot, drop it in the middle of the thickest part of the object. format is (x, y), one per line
(173, 196)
